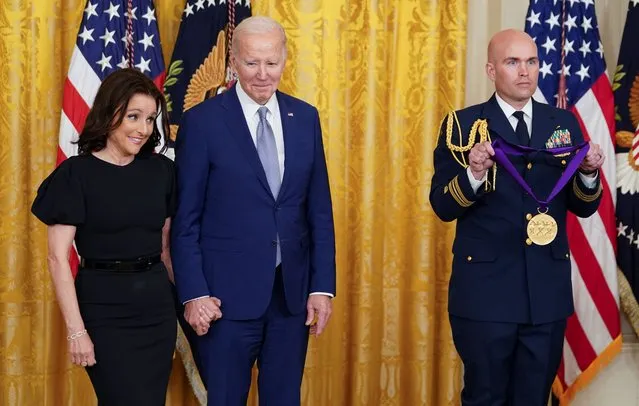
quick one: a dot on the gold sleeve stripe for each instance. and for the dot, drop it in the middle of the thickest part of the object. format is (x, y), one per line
(583, 196)
(457, 194)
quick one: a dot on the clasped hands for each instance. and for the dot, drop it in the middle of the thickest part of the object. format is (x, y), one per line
(200, 313)
(481, 159)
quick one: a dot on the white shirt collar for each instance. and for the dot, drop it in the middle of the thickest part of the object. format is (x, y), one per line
(250, 106)
(509, 110)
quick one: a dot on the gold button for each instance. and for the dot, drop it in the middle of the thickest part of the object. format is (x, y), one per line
(529, 166)
(563, 162)
(528, 241)
(469, 258)
(528, 216)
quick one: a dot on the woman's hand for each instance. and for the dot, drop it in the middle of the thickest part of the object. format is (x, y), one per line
(81, 349)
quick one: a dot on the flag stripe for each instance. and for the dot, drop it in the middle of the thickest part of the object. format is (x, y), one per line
(82, 76)
(603, 249)
(74, 107)
(607, 205)
(597, 127)
(590, 318)
(576, 338)
(602, 91)
(593, 278)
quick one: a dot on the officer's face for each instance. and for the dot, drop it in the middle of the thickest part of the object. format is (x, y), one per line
(514, 67)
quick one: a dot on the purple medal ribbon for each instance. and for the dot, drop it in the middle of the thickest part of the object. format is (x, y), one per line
(503, 148)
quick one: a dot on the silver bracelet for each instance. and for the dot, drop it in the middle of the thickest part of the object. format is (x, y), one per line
(76, 335)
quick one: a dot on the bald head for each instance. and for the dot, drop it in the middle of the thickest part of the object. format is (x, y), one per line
(503, 39)
(513, 66)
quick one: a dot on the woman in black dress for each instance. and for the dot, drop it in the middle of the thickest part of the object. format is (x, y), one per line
(115, 199)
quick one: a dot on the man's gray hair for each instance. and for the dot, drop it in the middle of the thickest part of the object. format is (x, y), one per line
(257, 25)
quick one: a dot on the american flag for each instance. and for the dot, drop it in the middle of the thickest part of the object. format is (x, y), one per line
(112, 33)
(569, 45)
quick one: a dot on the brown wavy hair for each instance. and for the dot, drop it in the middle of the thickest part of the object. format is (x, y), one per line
(109, 107)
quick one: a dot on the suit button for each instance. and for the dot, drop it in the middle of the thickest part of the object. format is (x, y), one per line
(274, 243)
(563, 162)
(528, 216)
(528, 241)
(567, 255)
(529, 166)
(469, 258)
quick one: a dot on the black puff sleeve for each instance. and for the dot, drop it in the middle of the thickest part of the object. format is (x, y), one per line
(60, 199)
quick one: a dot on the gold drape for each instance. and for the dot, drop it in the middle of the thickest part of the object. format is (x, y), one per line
(382, 74)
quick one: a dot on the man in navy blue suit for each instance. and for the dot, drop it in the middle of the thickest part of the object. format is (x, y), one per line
(510, 290)
(253, 244)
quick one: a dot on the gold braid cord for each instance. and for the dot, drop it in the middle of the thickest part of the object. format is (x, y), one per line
(585, 197)
(459, 151)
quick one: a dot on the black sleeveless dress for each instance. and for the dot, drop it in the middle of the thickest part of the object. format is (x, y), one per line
(119, 212)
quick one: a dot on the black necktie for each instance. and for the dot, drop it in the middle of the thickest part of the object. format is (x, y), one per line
(521, 130)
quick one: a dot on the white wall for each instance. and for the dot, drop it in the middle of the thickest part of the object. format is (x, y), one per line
(617, 384)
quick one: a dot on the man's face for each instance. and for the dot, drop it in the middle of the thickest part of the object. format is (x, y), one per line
(514, 67)
(259, 62)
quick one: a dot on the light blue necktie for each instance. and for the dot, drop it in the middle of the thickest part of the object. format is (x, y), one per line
(267, 152)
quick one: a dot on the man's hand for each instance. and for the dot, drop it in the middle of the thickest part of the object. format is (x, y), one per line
(593, 161)
(200, 313)
(480, 159)
(319, 306)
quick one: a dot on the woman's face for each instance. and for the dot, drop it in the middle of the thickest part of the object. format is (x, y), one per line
(136, 127)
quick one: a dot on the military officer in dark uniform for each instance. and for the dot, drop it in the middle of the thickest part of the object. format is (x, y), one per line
(510, 291)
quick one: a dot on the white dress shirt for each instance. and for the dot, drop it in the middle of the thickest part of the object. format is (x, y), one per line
(508, 110)
(250, 107)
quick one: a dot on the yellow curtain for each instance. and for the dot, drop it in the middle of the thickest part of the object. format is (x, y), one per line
(382, 74)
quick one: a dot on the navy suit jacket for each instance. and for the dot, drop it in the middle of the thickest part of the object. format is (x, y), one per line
(224, 232)
(497, 274)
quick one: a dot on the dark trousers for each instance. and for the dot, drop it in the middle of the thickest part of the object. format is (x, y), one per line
(507, 364)
(277, 341)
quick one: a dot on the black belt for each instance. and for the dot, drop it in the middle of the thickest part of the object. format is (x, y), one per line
(116, 265)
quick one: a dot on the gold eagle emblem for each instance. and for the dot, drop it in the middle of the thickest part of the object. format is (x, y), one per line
(207, 78)
(625, 138)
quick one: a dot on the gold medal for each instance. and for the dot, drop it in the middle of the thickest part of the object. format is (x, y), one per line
(542, 229)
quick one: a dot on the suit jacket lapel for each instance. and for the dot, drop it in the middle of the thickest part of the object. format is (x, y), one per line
(288, 128)
(543, 125)
(497, 121)
(236, 122)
